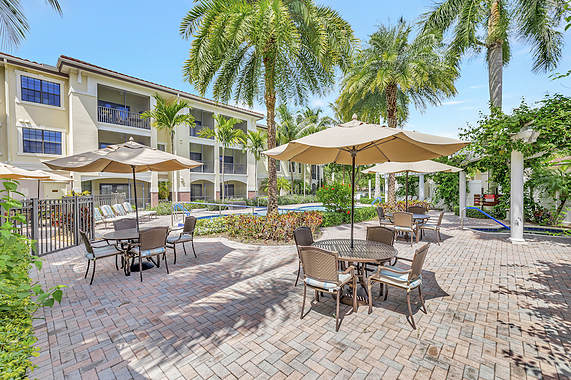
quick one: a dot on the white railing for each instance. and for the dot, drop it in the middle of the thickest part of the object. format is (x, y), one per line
(120, 117)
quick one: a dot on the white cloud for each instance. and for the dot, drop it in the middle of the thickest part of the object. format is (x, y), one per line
(317, 103)
(453, 102)
(476, 86)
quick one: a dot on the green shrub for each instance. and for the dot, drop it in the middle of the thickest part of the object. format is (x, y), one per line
(277, 228)
(283, 200)
(336, 197)
(16, 343)
(471, 213)
(401, 205)
(362, 214)
(210, 226)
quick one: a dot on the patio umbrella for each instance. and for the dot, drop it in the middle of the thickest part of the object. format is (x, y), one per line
(12, 172)
(130, 157)
(51, 177)
(359, 143)
(426, 166)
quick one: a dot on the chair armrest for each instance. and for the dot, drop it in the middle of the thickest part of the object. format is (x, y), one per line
(404, 258)
(396, 270)
(351, 270)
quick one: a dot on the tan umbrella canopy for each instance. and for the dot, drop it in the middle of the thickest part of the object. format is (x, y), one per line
(426, 166)
(51, 177)
(12, 172)
(130, 157)
(359, 143)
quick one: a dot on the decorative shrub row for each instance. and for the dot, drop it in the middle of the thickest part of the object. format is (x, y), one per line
(16, 343)
(401, 205)
(210, 226)
(271, 228)
(471, 213)
(336, 218)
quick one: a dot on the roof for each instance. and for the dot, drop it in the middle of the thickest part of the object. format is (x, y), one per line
(82, 65)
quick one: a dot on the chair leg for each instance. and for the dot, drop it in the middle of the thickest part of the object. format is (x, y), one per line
(298, 273)
(438, 237)
(193, 251)
(116, 264)
(355, 307)
(87, 271)
(93, 274)
(303, 303)
(141, 267)
(369, 290)
(386, 292)
(174, 250)
(184, 248)
(165, 260)
(316, 296)
(421, 300)
(337, 311)
(410, 310)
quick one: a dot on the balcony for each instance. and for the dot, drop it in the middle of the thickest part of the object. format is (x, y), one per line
(122, 117)
(233, 168)
(206, 167)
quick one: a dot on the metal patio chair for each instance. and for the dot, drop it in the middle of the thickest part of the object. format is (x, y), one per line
(403, 222)
(152, 242)
(187, 235)
(302, 237)
(95, 253)
(433, 227)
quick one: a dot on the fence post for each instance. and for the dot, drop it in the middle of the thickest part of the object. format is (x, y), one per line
(76, 217)
(35, 221)
(92, 217)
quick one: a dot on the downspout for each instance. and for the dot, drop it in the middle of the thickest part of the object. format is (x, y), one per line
(8, 125)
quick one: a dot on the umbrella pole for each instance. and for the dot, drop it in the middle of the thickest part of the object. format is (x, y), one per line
(136, 204)
(353, 154)
(406, 196)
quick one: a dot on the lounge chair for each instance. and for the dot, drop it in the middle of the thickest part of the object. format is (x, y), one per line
(97, 217)
(321, 274)
(108, 214)
(405, 279)
(142, 214)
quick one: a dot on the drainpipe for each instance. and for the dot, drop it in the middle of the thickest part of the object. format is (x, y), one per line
(8, 125)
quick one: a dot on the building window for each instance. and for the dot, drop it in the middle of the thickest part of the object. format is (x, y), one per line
(40, 91)
(162, 147)
(299, 167)
(278, 166)
(41, 141)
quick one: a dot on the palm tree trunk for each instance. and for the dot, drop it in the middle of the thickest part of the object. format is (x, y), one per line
(223, 162)
(270, 98)
(495, 59)
(291, 177)
(392, 122)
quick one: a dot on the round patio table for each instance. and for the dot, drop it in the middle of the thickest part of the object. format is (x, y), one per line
(363, 251)
(128, 234)
(415, 217)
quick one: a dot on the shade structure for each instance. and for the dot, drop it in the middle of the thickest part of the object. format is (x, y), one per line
(359, 143)
(130, 157)
(426, 166)
(13, 172)
(51, 177)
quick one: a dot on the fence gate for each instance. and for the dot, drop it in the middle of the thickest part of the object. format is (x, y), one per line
(54, 224)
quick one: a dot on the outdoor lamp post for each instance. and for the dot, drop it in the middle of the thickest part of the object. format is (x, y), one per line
(516, 198)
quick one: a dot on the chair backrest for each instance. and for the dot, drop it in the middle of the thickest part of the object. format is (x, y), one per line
(381, 213)
(303, 236)
(97, 214)
(381, 234)
(152, 238)
(319, 264)
(86, 241)
(107, 211)
(440, 218)
(124, 224)
(119, 210)
(128, 208)
(189, 224)
(402, 219)
(417, 263)
(417, 209)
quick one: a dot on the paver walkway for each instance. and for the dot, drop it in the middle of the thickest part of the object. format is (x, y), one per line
(495, 311)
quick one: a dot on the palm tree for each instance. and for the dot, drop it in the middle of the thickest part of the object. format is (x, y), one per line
(165, 116)
(274, 50)
(255, 144)
(392, 72)
(226, 135)
(14, 24)
(294, 126)
(533, 21)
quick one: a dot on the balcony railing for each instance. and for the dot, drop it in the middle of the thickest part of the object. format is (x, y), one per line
(120, 117)
(233, 169)
(206, 167)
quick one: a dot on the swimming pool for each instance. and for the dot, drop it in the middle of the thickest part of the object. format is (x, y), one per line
(534, 230)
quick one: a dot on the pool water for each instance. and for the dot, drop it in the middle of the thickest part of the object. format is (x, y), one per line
(534, 230)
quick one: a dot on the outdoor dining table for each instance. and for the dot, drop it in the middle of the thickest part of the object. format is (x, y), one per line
(123, 237)
(415, 217)
(363, 251)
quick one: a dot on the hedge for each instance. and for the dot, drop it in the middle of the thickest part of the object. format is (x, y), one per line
(16, 344)
(471, 213)
(362, 214)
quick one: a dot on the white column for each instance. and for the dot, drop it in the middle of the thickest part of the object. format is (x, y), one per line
(386, 187)
(516, 198)
(369, 189)
(377, 185)
(421, 187)
(462, 196)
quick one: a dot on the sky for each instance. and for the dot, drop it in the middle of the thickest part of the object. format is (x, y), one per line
(141, 38)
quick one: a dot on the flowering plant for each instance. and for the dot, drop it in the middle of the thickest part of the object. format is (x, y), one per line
(336, 197)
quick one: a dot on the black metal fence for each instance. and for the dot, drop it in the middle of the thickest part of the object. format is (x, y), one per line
(54, 224)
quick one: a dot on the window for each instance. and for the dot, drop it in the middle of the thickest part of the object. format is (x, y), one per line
(41, 141)
(40, 91)
(104, 145)
(162, 147)
(299, 167)
(278, 166)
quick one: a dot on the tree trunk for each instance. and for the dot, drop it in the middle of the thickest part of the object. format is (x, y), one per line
(223, 162)
(256, 178)
(495, 59)
(560, 208)
(392, 121)
(291, 176)
(270, 98)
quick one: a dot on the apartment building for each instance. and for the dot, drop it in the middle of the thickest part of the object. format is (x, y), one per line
(47, 112)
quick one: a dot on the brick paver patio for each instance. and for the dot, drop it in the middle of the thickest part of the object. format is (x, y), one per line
(495, 311)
